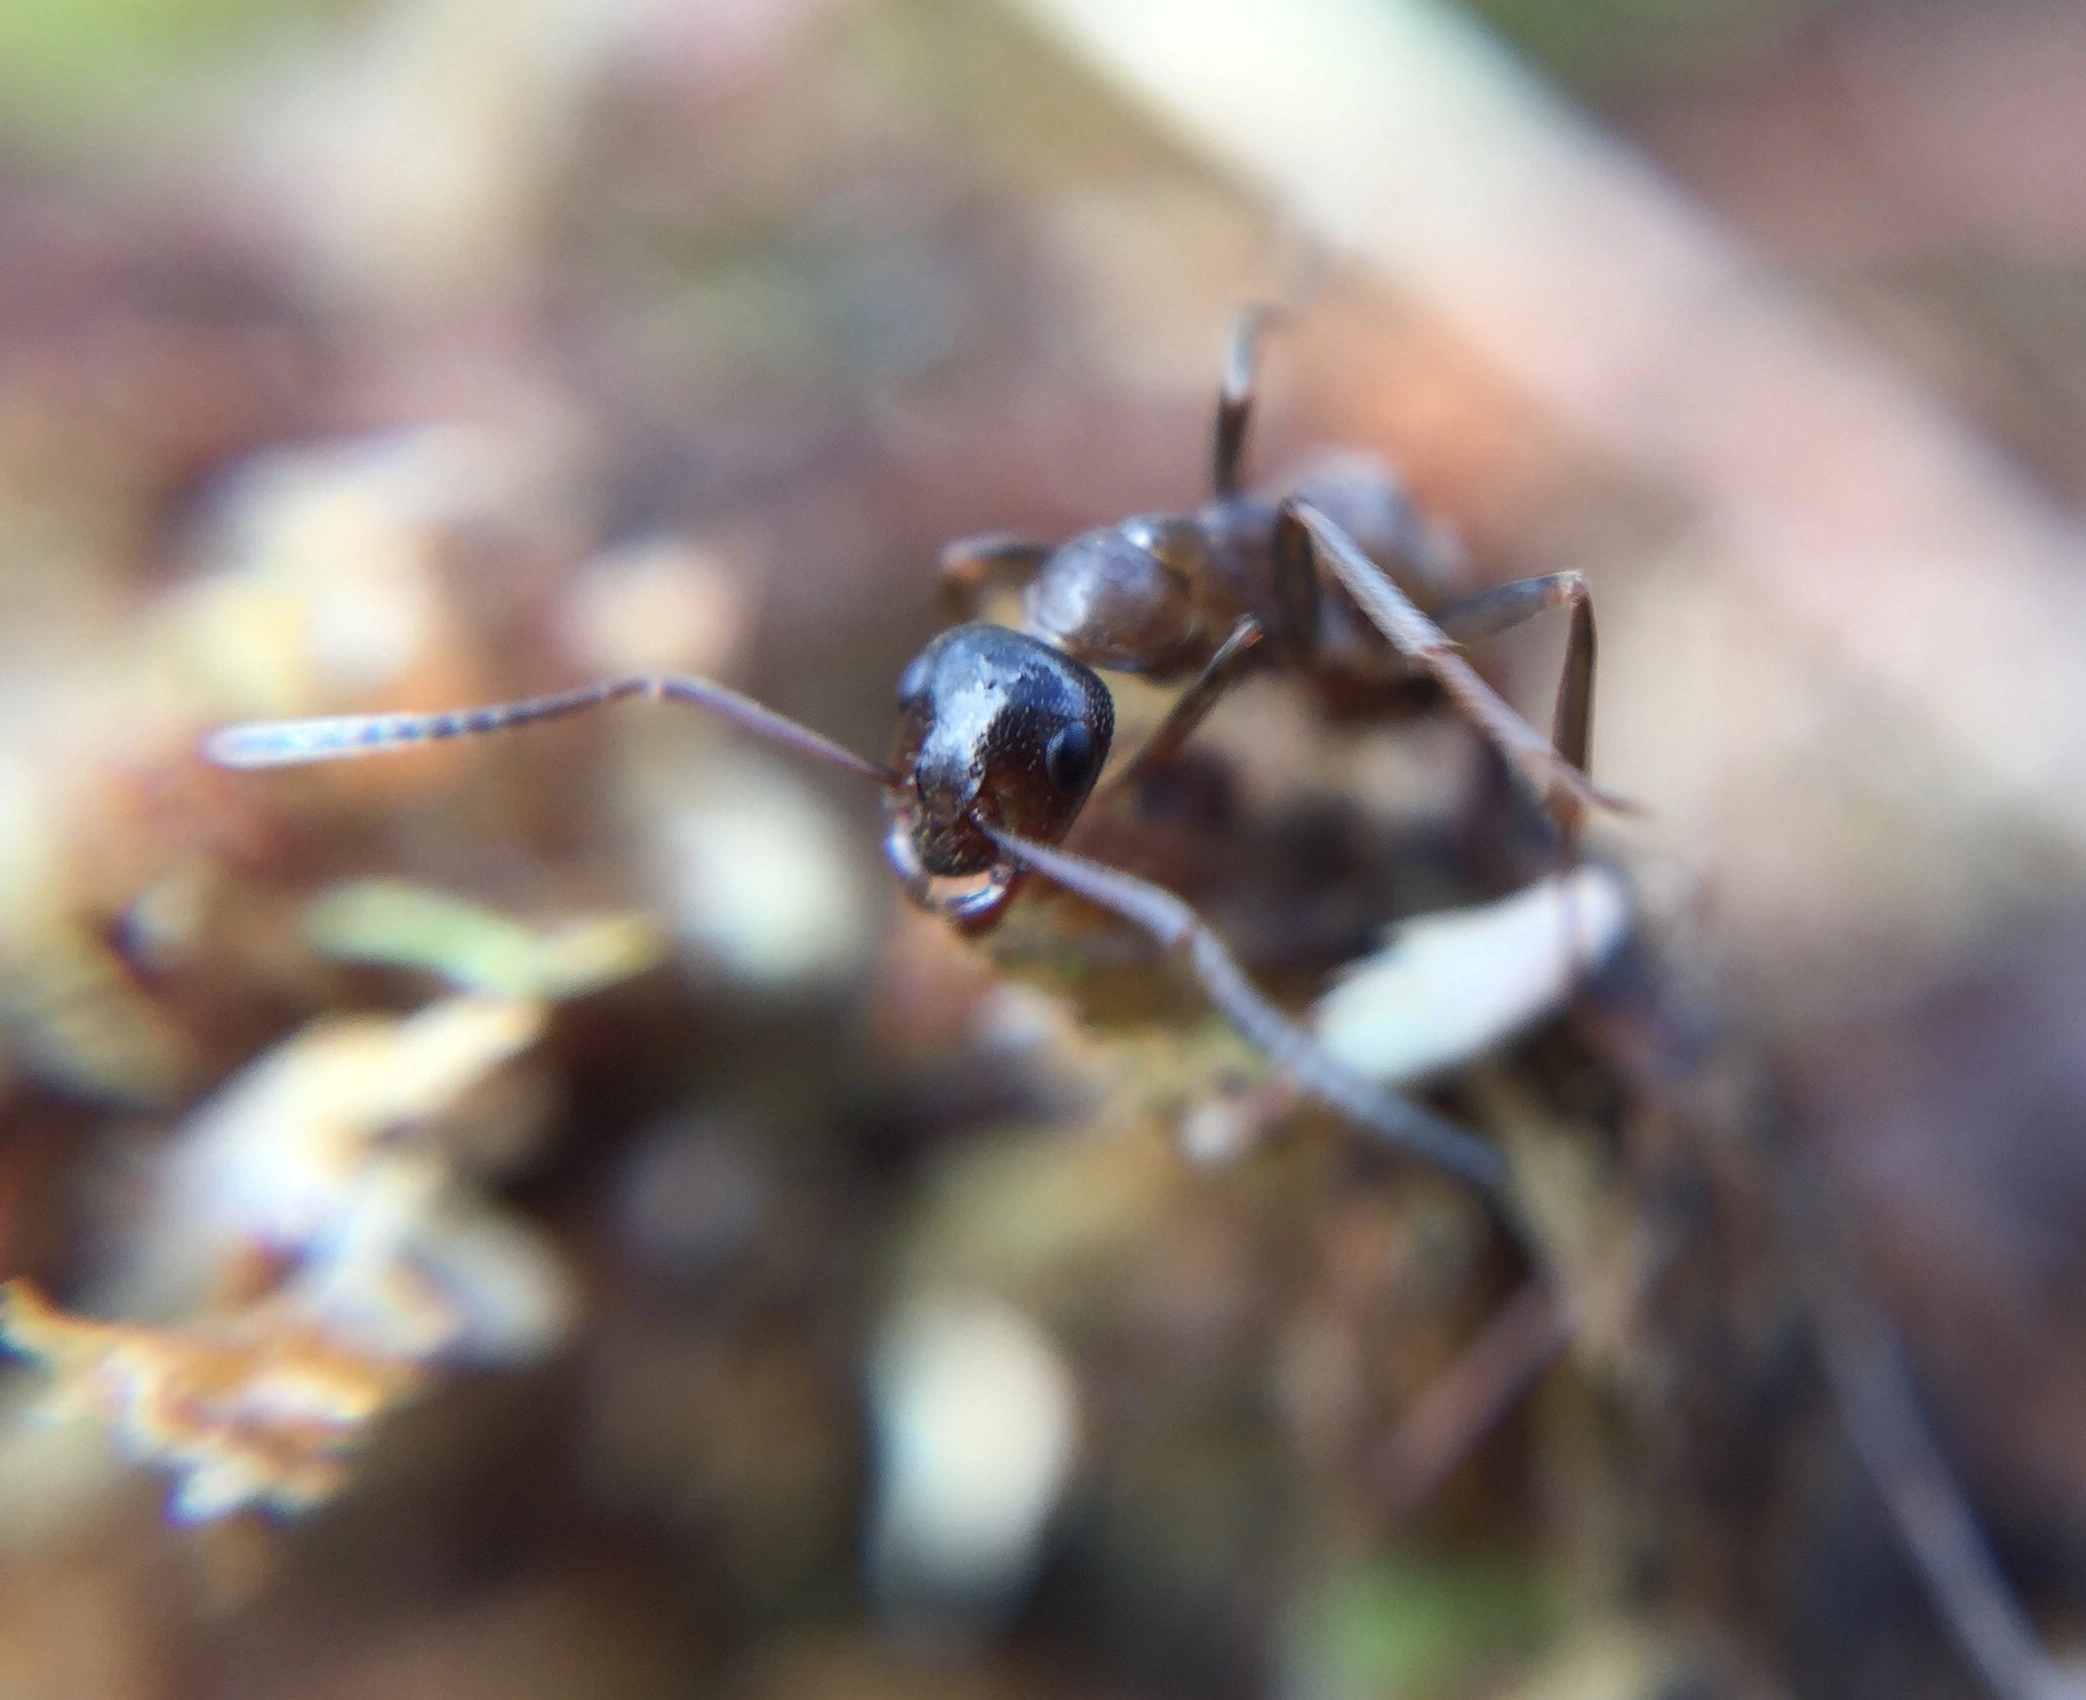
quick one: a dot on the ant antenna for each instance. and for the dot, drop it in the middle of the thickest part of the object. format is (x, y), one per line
(1176, 926)
(291, 743)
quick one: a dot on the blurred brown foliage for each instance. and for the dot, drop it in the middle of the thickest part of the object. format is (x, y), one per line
(430, 351)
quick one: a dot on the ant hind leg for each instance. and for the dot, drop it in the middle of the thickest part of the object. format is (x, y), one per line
(1566, 791)
(1491, 612)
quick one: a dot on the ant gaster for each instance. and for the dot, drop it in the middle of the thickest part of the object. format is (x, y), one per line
(1003, 732)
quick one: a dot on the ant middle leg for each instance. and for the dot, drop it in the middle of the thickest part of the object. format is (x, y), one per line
(1566, 791)
(1233, 659)
(973, 568)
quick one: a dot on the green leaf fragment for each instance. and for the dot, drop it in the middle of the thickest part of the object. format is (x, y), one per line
(1412, 1627)
(389, 923)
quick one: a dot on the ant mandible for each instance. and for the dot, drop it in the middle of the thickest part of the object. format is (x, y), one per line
(1003, 732)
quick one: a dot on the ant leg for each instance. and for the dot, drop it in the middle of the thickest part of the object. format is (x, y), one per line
(1234, 656)
(1491, 612)
(1566, 792)
(1235, 398)
(1176, 926)
(1296, 589)
(974, 567)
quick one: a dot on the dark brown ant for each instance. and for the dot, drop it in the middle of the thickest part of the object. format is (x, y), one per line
(1003, 732)
(1209, 594)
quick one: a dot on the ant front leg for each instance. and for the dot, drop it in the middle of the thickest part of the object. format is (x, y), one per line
(1234, 658)
(1235, 398)
(1566, 791)
(972, 568)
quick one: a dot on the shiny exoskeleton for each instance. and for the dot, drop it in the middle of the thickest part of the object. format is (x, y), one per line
(993, 727)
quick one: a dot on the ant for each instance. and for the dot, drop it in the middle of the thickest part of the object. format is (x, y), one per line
(1003, 731)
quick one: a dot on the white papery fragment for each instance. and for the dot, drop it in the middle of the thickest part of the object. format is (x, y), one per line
(314, 1254)
(1447, 988)
(281, 1157)
(976, 1429)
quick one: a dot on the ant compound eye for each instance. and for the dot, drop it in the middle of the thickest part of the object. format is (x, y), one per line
(1070, 758)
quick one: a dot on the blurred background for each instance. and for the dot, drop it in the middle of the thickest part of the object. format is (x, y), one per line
(541, 1218)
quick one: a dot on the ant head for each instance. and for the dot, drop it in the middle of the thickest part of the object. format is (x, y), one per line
(995, 728)
(1123, 597)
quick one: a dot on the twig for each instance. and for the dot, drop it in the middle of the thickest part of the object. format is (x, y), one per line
(1467, 1400)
